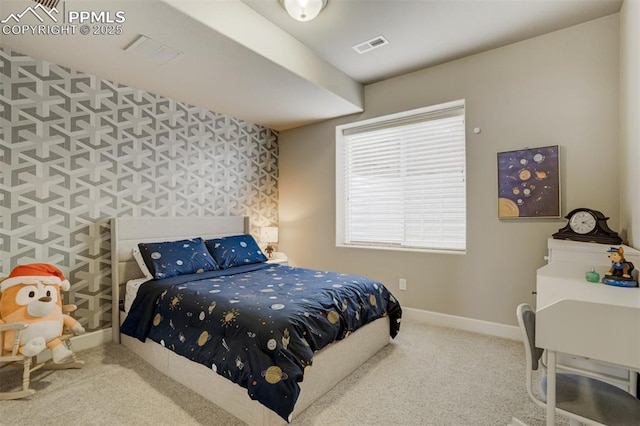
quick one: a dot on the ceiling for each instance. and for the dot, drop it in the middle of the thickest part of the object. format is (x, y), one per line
(250, 60)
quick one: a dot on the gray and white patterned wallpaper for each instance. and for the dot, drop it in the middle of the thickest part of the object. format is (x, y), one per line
(76, 150)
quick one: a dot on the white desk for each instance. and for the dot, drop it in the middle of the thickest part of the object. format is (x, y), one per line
(591, 320)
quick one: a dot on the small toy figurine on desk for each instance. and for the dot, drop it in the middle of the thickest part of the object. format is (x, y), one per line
(592, 276)
(621, 272)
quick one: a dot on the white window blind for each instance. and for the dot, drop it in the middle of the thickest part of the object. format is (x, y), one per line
(401, 180)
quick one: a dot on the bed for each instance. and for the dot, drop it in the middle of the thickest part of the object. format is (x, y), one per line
(327, 367)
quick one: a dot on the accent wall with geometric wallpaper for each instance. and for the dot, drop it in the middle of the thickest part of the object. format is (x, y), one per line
(76, 151)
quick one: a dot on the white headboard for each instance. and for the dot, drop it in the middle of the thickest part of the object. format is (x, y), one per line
(127, 232)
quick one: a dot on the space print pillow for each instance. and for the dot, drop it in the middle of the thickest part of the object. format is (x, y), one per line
(172, 258)
(235, 251)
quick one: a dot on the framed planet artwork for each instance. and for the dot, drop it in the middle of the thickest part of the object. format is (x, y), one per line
(529, 183)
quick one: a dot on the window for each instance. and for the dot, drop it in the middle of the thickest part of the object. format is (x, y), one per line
(400, 181)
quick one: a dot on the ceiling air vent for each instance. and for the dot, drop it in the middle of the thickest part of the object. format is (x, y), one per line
(369, 45)
(158, 52)
(48, 3)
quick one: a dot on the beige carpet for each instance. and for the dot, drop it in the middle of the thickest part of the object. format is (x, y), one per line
(427, 376)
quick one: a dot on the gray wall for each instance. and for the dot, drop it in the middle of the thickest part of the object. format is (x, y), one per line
(556, 89)
(76, 150)
(629, 121)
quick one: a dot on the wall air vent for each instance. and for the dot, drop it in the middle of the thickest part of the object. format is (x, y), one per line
(48, 3)
(369, 45)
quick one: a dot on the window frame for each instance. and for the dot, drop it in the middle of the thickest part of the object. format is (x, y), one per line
(418, 115)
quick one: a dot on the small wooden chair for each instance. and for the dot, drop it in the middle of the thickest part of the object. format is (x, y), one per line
(15, 358)
(31, 364)
(66, 340)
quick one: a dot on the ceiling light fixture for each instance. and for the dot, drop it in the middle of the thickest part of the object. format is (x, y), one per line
(303, 10)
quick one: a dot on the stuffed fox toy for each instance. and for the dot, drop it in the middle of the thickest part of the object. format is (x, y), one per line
(31, 295)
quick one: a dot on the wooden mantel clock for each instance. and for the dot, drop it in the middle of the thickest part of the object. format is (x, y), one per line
(587, 225)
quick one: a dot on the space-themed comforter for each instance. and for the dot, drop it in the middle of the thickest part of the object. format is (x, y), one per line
(258, 325)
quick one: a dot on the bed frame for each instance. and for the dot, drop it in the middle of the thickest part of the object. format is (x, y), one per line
(330, 365)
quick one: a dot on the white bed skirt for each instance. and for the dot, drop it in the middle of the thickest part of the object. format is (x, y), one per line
(330, 366)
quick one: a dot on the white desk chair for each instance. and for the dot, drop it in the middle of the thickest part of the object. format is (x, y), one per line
(580, 398)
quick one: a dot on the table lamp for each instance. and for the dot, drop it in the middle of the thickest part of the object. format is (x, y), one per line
(269, 235)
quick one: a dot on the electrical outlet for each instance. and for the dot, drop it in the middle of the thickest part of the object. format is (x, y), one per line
(403, 284)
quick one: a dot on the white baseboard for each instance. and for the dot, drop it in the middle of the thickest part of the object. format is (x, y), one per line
(96, 338)
(462, 323)
(91, 339)
(82, 342)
